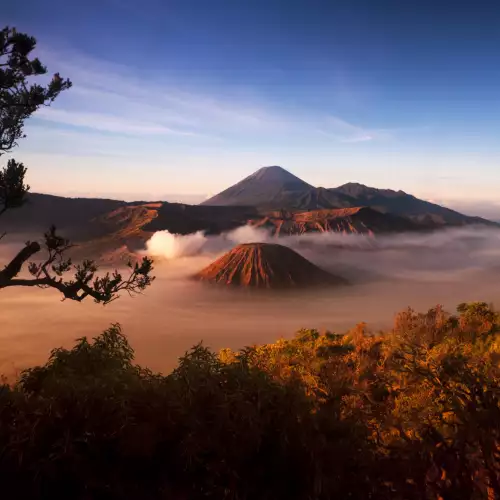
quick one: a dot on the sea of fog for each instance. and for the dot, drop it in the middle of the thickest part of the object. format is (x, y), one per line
(387, 274)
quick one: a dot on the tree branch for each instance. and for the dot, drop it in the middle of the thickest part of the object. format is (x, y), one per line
(12, 269)
(27, 282)
(50, 273)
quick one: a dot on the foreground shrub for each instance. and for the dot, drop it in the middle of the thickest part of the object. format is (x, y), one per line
(409, 414)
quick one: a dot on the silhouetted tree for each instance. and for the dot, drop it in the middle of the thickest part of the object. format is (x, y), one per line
(19, 99)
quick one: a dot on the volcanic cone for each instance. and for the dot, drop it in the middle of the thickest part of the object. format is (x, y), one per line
(265, 265)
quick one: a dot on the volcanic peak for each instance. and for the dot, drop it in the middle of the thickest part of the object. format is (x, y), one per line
(266, 265)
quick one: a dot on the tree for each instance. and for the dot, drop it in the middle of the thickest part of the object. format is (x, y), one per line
(19, 99)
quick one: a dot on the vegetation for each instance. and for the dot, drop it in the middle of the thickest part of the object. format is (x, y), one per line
(19, 99)
(408, 414)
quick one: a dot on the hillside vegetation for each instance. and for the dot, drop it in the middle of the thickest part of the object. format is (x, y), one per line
(408, 414)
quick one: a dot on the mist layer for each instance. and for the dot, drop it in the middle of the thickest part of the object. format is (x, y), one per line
(386, 274)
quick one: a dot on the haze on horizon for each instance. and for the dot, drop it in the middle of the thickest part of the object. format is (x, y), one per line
(188, 97)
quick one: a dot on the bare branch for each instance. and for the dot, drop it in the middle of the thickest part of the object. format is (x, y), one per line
(12, 269)
(26, 282)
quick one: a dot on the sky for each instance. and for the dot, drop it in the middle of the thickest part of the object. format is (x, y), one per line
(182, 98)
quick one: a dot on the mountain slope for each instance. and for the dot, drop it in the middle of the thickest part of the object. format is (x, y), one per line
(119, 233)
(269, 187)
(403, 204)
(316, 199)
(358, 220)
(116, 235)
(265, 265)
(184, 219)
(42, 210)
(273, 188)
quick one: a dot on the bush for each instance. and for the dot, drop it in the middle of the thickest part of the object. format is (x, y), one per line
(408, 414)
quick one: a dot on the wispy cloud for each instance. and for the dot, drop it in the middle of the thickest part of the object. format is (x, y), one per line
(107, 123)
(161, 105)
(361, 138)
(346, 132)
(112, 98)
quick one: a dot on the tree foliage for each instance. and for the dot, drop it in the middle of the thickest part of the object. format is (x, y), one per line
(410, 414)
(20, 97)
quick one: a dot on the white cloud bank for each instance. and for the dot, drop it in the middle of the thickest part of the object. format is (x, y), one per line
(470, 239)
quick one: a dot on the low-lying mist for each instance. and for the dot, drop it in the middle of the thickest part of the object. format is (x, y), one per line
(386, 273)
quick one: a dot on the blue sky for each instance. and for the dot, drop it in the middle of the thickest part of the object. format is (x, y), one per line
(187, 97)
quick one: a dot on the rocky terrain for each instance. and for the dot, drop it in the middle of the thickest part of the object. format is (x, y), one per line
(265, 265)
(117, 235)
(358, 220)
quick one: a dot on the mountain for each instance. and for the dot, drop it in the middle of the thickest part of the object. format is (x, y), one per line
(403, 204)
(272, 198)
(112, 230)
(273, 188)
(265, 265)
(184, 219)
(89, 218)
(41, 210)
(268, 187)
(359, 220)
(119, 233)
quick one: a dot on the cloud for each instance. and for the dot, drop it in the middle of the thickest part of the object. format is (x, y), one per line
(361, 138)
(420, 274)
(107, 123)
(172, 246)
(467, 240)
(118, 92)
(114, 98)
(347, 132)
(169, 246)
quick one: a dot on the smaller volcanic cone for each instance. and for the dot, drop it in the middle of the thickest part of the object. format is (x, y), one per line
(266, 265)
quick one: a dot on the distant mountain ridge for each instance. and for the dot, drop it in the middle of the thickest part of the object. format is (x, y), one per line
(274, 188)
(402, 204)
